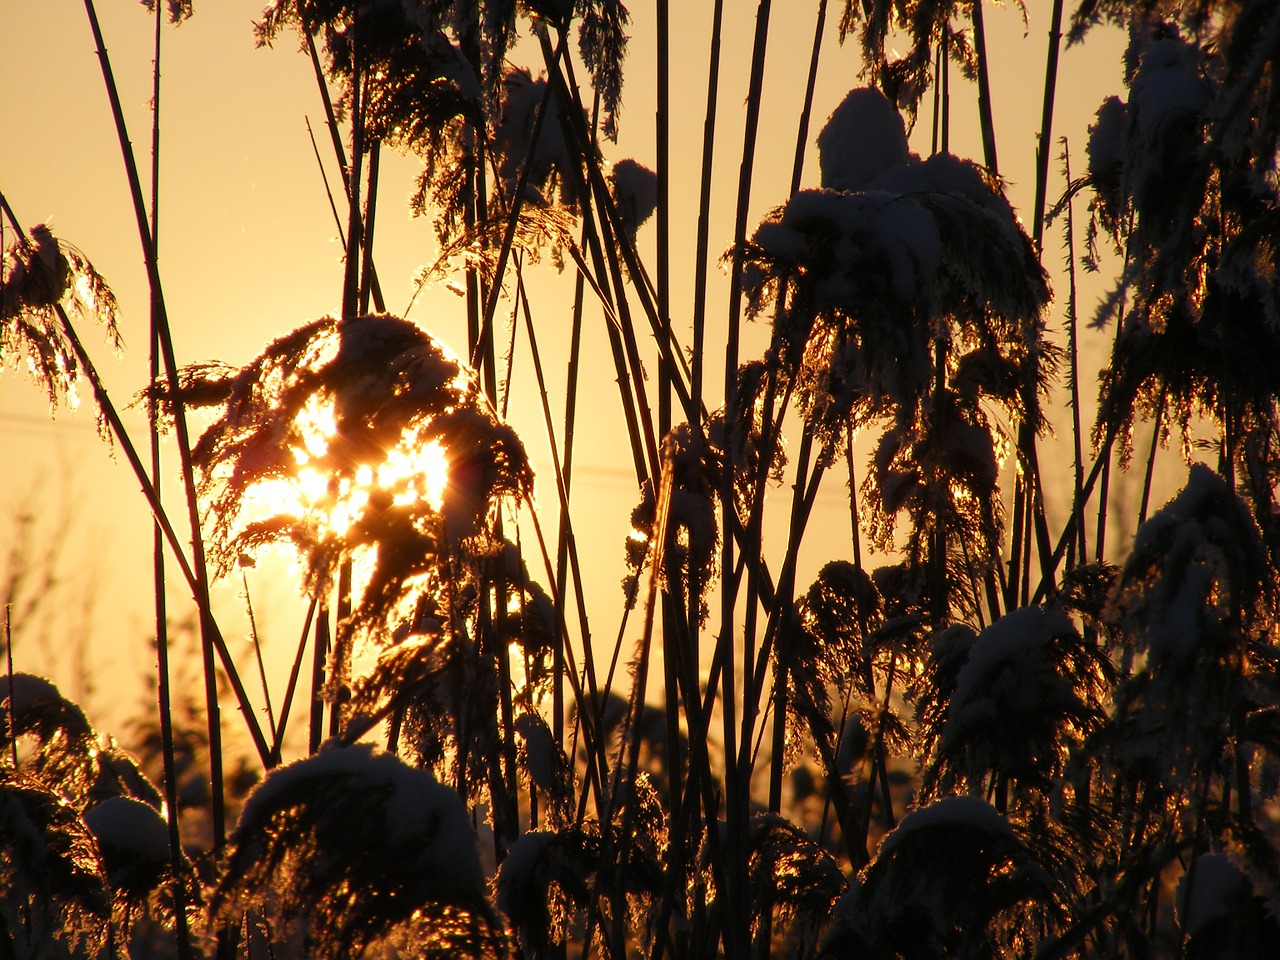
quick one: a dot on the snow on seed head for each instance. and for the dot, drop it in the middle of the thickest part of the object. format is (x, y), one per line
(863, 138)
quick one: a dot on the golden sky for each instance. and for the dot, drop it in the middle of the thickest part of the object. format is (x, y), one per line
(248, 250)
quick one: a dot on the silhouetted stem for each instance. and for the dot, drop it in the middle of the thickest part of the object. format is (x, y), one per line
(1046, 127)
(164, 699)
(109, 413)
(1149, 476)
(277, 737)
(986, 118)
(702, 243)
(319, 656)
(802, 133)
(207, 628)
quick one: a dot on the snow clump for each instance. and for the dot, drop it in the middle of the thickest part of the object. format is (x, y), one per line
(863, 138)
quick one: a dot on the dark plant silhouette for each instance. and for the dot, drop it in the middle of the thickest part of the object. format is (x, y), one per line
(986, 729)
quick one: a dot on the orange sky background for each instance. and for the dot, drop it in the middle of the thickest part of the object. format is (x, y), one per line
(248, 251)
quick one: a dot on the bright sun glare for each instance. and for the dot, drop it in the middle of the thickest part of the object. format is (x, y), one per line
(415, 470)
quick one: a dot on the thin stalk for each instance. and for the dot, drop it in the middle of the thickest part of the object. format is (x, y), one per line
(257, 651)
(986, 118)
(319, 656)
(802, 134)
(277, 738)
(328, 191)
(1104, 493)
(939, 68)
(783, 612)
(854, 530)
(510, 779)
(945, 126)
(8, 658)
(701, 255)
(1101, 468)
(737, 790)
(370, 213)
(626, 362)
(564, 482)
(1073, 356)
(112, 416)
(344, 638)
(340, 155)
(806, 492)
(663, 212)
(589, 708)
(570, 548)
(612, 228)
(1156, 429)
(632, 741)
(207, 628)
(164, 698)
(1046, 126)
(513, 222)
(351, 264)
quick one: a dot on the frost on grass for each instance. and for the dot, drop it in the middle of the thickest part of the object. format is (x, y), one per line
(355, 847)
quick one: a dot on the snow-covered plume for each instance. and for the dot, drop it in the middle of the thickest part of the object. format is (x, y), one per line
(953, 879)
(890, 252)
(864, 137)
(40, 278)
(363, 435)
(635, 191)
(134, 842)
(356, 847)
(548, 159)
(1196, 601)
(1163, 146)
(1027, 691)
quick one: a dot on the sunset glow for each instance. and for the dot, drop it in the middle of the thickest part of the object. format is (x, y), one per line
(413, 471)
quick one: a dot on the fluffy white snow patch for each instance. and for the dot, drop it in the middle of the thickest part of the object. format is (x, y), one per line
(29, 691)
(863, 138)
(1106, 140)
(635, 189)
(131, 827)
(422, 819)
(1217, 889)
(972, 812)
(520, 866)
(1019, 635)
(1167, 86)
(543, 756)
(861, 231)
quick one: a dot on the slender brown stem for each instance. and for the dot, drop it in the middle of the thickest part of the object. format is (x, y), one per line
(207, 626)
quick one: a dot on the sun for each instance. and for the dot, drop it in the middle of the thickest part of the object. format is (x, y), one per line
(414, 470)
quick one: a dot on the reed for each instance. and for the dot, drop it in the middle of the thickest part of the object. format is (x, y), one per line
(973, 735)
